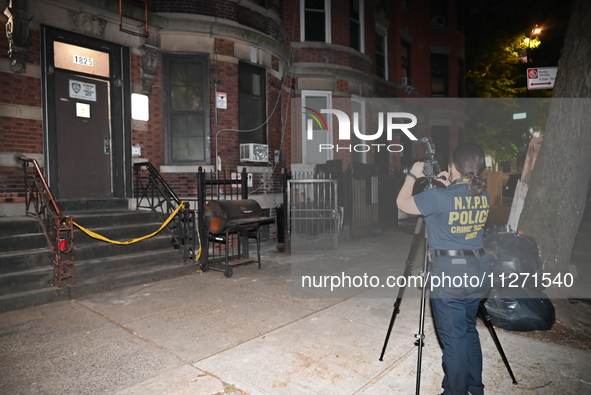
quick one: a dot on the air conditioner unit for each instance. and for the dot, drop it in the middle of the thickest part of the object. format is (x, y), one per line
(254, 152)
(438, 21)
(406, 81)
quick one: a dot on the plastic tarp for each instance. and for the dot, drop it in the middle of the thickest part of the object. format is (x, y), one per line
(517, 308)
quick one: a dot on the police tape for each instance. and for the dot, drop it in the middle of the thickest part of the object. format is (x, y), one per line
(97, 236)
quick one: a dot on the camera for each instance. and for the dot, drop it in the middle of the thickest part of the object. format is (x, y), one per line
(431, 168)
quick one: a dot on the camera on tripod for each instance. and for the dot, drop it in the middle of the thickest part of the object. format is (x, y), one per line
(431, 167)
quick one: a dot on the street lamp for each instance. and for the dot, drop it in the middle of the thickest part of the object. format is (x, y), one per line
(534, 32)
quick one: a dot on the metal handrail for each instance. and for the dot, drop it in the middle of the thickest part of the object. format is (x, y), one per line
(37, 177)
(156, 193)
(58, 229)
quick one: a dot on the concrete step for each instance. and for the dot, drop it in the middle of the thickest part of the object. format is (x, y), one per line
(26, 235)
(18, 261)
(128, 278)
(87, 270)
(102, 218)
(50, 294)
(119, 233)
(26, 280)
(111, 204)
(100, 249)
(22, 241)
(26, 263)
(19, 225)
(35, 297)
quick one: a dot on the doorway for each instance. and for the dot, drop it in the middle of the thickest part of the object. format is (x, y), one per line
(83, 137)
(87, 131)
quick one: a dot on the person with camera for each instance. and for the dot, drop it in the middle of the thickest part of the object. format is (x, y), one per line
(455, 218)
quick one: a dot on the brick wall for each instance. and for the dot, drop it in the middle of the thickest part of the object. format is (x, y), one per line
(152, 139)
(19, 135)
(227, 140)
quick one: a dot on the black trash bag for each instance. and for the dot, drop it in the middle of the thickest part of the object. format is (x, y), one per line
(520, 309)
(514, 257)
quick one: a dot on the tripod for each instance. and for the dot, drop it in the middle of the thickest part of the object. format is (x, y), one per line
(420, 336)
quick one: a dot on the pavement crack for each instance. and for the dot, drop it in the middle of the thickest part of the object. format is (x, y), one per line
(132, 332)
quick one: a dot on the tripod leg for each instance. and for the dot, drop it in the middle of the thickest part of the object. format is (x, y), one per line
(421, 334)
(407, 270)
(488, 322)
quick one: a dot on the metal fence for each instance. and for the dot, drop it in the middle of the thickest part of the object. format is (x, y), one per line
(314, 218)
(364, 205)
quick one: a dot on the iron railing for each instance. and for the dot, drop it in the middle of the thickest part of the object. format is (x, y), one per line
(153, 192)
(58, 228)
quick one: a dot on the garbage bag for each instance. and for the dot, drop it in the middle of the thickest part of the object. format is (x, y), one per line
(514, 256)
(520, 309)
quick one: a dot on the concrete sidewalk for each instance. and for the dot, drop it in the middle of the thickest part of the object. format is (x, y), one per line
(207, 334)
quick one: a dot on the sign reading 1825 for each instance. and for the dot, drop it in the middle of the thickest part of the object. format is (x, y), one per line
(83, 60)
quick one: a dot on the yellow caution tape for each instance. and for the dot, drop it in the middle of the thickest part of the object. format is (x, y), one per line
(198, 255)
(99, 237)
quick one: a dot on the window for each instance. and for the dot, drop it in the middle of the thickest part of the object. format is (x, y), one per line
(186, 108)
(405, 63)
(315, 20)
(381, 53)
(357, 42)
(312, 154)
(438, 13)
(252, 104)
(439, 75)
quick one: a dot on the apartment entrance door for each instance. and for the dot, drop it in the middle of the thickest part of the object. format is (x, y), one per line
(88, 131)
(83, 136)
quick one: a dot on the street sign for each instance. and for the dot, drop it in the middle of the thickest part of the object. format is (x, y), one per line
(520, 115)
(541, 77)
(222, 100)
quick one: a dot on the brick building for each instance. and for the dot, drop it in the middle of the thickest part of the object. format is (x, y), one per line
(214, 76)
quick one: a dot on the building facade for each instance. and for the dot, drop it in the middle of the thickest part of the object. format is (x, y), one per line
(91, 87)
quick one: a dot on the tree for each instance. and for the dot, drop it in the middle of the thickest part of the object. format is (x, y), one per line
(497, 58)
(498, 70)
(557, 190)
(491, 124)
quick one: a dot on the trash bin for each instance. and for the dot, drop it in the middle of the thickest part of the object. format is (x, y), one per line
(280, 219)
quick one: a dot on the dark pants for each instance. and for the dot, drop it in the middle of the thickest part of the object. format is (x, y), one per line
(454, 311)
(455, 320)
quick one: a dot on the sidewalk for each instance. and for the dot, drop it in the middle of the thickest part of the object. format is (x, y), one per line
(208, 334)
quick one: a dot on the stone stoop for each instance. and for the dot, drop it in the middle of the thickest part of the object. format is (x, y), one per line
(26, 266)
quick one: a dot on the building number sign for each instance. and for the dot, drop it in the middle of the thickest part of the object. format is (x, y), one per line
(83, 60)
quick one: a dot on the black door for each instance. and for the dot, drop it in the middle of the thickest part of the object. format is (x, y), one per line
(87, 127)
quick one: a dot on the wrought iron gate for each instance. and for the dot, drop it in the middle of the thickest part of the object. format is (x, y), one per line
(314, 219)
